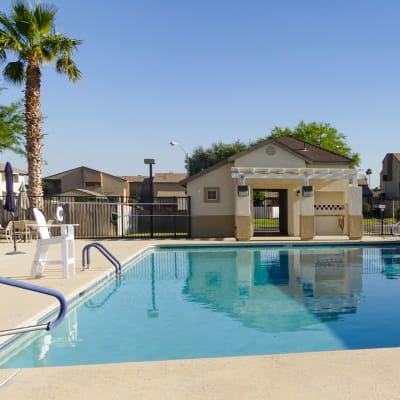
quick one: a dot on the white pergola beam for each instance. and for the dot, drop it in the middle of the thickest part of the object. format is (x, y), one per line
(306, 174)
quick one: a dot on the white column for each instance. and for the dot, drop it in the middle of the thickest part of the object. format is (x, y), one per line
(243, 223)
(307, 219)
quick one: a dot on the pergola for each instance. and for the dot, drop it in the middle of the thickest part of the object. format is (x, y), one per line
(306, 174)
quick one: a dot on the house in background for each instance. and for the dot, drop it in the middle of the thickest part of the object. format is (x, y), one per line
(135, 185)
(390, 176)
(88, 183)
(282, 186)
(18, 178)
(364, 185)
(169, 185)
(165, 184)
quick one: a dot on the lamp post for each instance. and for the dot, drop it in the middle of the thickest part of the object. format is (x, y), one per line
(150, 162)
(173, 143)
(368, 173)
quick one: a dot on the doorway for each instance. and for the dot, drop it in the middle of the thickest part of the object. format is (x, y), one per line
(270, 212)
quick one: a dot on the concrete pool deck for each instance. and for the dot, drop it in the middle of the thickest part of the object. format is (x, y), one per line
(361, 374)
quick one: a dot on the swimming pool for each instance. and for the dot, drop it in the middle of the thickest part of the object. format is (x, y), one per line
(193, 302)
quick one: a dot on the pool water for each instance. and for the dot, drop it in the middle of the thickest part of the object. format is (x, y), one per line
(230, 301)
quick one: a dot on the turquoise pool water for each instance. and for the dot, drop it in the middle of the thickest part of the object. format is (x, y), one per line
(230, 301)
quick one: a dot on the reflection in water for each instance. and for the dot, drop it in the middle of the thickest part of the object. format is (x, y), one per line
(153, 311)
(259, 287)
(95, 304)
(66, 335)
(391, 262)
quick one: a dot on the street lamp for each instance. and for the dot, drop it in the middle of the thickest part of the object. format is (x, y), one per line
(173, 143)
(369, 172)
(150, 162)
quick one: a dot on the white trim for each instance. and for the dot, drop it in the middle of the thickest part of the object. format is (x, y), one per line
(306, 174)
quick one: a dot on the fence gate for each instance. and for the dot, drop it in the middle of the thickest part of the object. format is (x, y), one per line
(270, 212)
(379, 215)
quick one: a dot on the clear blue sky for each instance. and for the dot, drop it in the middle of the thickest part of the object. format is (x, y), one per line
(204, 71)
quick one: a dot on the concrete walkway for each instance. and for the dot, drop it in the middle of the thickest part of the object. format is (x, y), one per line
(366, 374)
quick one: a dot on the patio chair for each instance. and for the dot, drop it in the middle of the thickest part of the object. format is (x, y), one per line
(22, 230)
(65, 240)
(6, 233)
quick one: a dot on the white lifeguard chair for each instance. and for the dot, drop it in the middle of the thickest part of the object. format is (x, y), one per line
(65, 240)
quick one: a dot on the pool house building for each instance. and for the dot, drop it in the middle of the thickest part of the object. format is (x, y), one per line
(283, 186)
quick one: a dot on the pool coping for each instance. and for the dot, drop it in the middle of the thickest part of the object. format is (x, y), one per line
(368, 374)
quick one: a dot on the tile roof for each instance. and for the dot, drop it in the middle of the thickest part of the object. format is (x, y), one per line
(311, 152)
(170, 177)
(63, 173)
(81, 192)
(159, 177)
(133, 178)
(302, 149)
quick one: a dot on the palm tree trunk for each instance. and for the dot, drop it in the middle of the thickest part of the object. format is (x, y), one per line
(33, 119)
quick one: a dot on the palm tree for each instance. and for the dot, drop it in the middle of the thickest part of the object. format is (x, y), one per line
(29, 33)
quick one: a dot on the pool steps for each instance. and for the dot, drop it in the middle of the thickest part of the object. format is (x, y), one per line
(104, 251)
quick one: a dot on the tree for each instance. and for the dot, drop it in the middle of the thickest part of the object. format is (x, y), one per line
(12, 128)
(320, 134)
(202, 158)
(29, 33)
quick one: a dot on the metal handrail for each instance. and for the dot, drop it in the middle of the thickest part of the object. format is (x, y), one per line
(104, 251)
(38, 289)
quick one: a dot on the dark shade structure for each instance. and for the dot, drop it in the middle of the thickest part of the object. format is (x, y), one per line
(10, 200)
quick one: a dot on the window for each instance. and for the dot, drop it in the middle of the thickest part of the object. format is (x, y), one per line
(211, 195)
(93, 184)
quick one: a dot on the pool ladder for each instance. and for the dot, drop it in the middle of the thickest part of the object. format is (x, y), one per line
(38, 289)
(105, 252)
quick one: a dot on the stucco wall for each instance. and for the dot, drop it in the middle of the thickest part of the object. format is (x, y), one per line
(213, 226)
(113, 186)
(213, 219)
(71, 180)
(391, 188)
(260, 158)
(221, 178)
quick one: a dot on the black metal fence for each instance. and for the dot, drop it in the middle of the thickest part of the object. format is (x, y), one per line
(266, 212)
(165, 217)
(379, 215)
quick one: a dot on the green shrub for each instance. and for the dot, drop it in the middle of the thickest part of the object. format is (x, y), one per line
(366, 207)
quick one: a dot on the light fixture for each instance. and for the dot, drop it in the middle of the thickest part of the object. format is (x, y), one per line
(173, 143)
